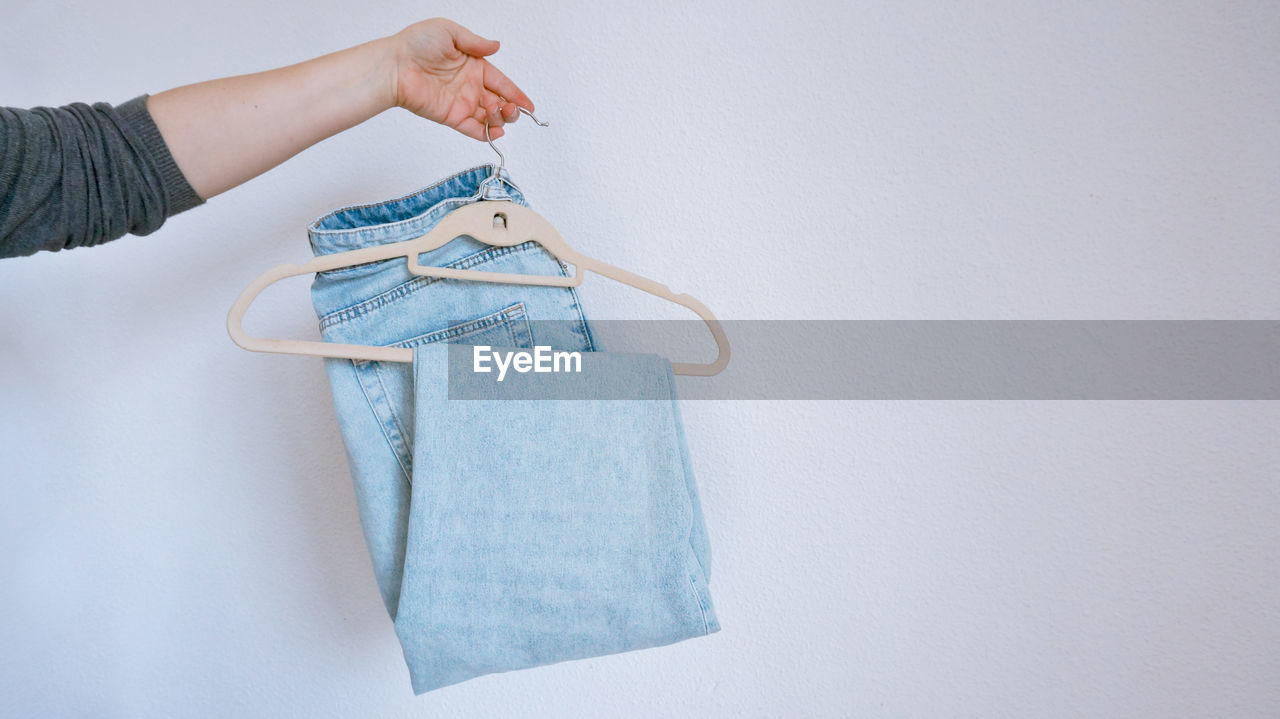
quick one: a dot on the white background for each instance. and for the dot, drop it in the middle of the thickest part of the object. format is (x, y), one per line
(178, 531)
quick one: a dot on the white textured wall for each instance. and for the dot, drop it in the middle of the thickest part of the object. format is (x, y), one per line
(178, 532)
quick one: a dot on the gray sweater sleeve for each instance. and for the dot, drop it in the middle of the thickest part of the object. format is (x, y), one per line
(81, 175)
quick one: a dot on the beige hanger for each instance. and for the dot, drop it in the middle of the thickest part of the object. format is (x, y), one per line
(502, 223)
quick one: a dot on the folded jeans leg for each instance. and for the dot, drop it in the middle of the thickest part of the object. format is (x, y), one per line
(546, 530)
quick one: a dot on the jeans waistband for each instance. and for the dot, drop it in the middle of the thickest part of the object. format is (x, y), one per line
(404, 218)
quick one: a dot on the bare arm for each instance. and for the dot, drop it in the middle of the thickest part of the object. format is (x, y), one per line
(226, 131)
(80, 175)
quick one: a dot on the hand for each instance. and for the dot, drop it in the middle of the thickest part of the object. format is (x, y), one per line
(441, 74)
(223, 132)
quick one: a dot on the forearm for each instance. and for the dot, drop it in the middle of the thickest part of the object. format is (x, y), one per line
(226, 131)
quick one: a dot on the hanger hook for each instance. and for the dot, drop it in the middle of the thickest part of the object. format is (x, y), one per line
(502, 160)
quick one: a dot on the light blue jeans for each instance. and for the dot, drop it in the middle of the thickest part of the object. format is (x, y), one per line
(504, 533)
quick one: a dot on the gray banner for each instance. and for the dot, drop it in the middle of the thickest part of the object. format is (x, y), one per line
(932, 359)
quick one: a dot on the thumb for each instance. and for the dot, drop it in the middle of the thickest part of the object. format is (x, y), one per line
(471, 43)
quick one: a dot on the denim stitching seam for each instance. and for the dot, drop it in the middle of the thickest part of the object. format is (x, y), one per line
(697, 597)
(410, 286)
(573, 300)
(382, 226)
(502, 316)
(418, 191)
(404, 471)
(402, 455)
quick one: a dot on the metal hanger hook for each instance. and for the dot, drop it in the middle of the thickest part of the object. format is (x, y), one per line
(502, 160)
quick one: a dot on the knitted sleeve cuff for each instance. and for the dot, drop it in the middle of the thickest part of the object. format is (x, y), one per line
(178, 191)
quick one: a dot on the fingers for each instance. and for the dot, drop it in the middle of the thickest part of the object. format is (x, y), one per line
(473, 128)
(492, 117)
(494, 111)
(501, 109)
(500, 84)
(471, 43)
(499, 87)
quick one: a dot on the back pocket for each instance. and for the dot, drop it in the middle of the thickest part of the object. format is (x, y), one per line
(388, 386)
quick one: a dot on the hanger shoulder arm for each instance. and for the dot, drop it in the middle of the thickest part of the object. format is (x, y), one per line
(684, 299)
(235, 325)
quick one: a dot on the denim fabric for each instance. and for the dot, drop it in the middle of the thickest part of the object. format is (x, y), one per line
(544, 530)
(478, 574)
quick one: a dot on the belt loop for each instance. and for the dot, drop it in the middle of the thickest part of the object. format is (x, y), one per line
(493, 188)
